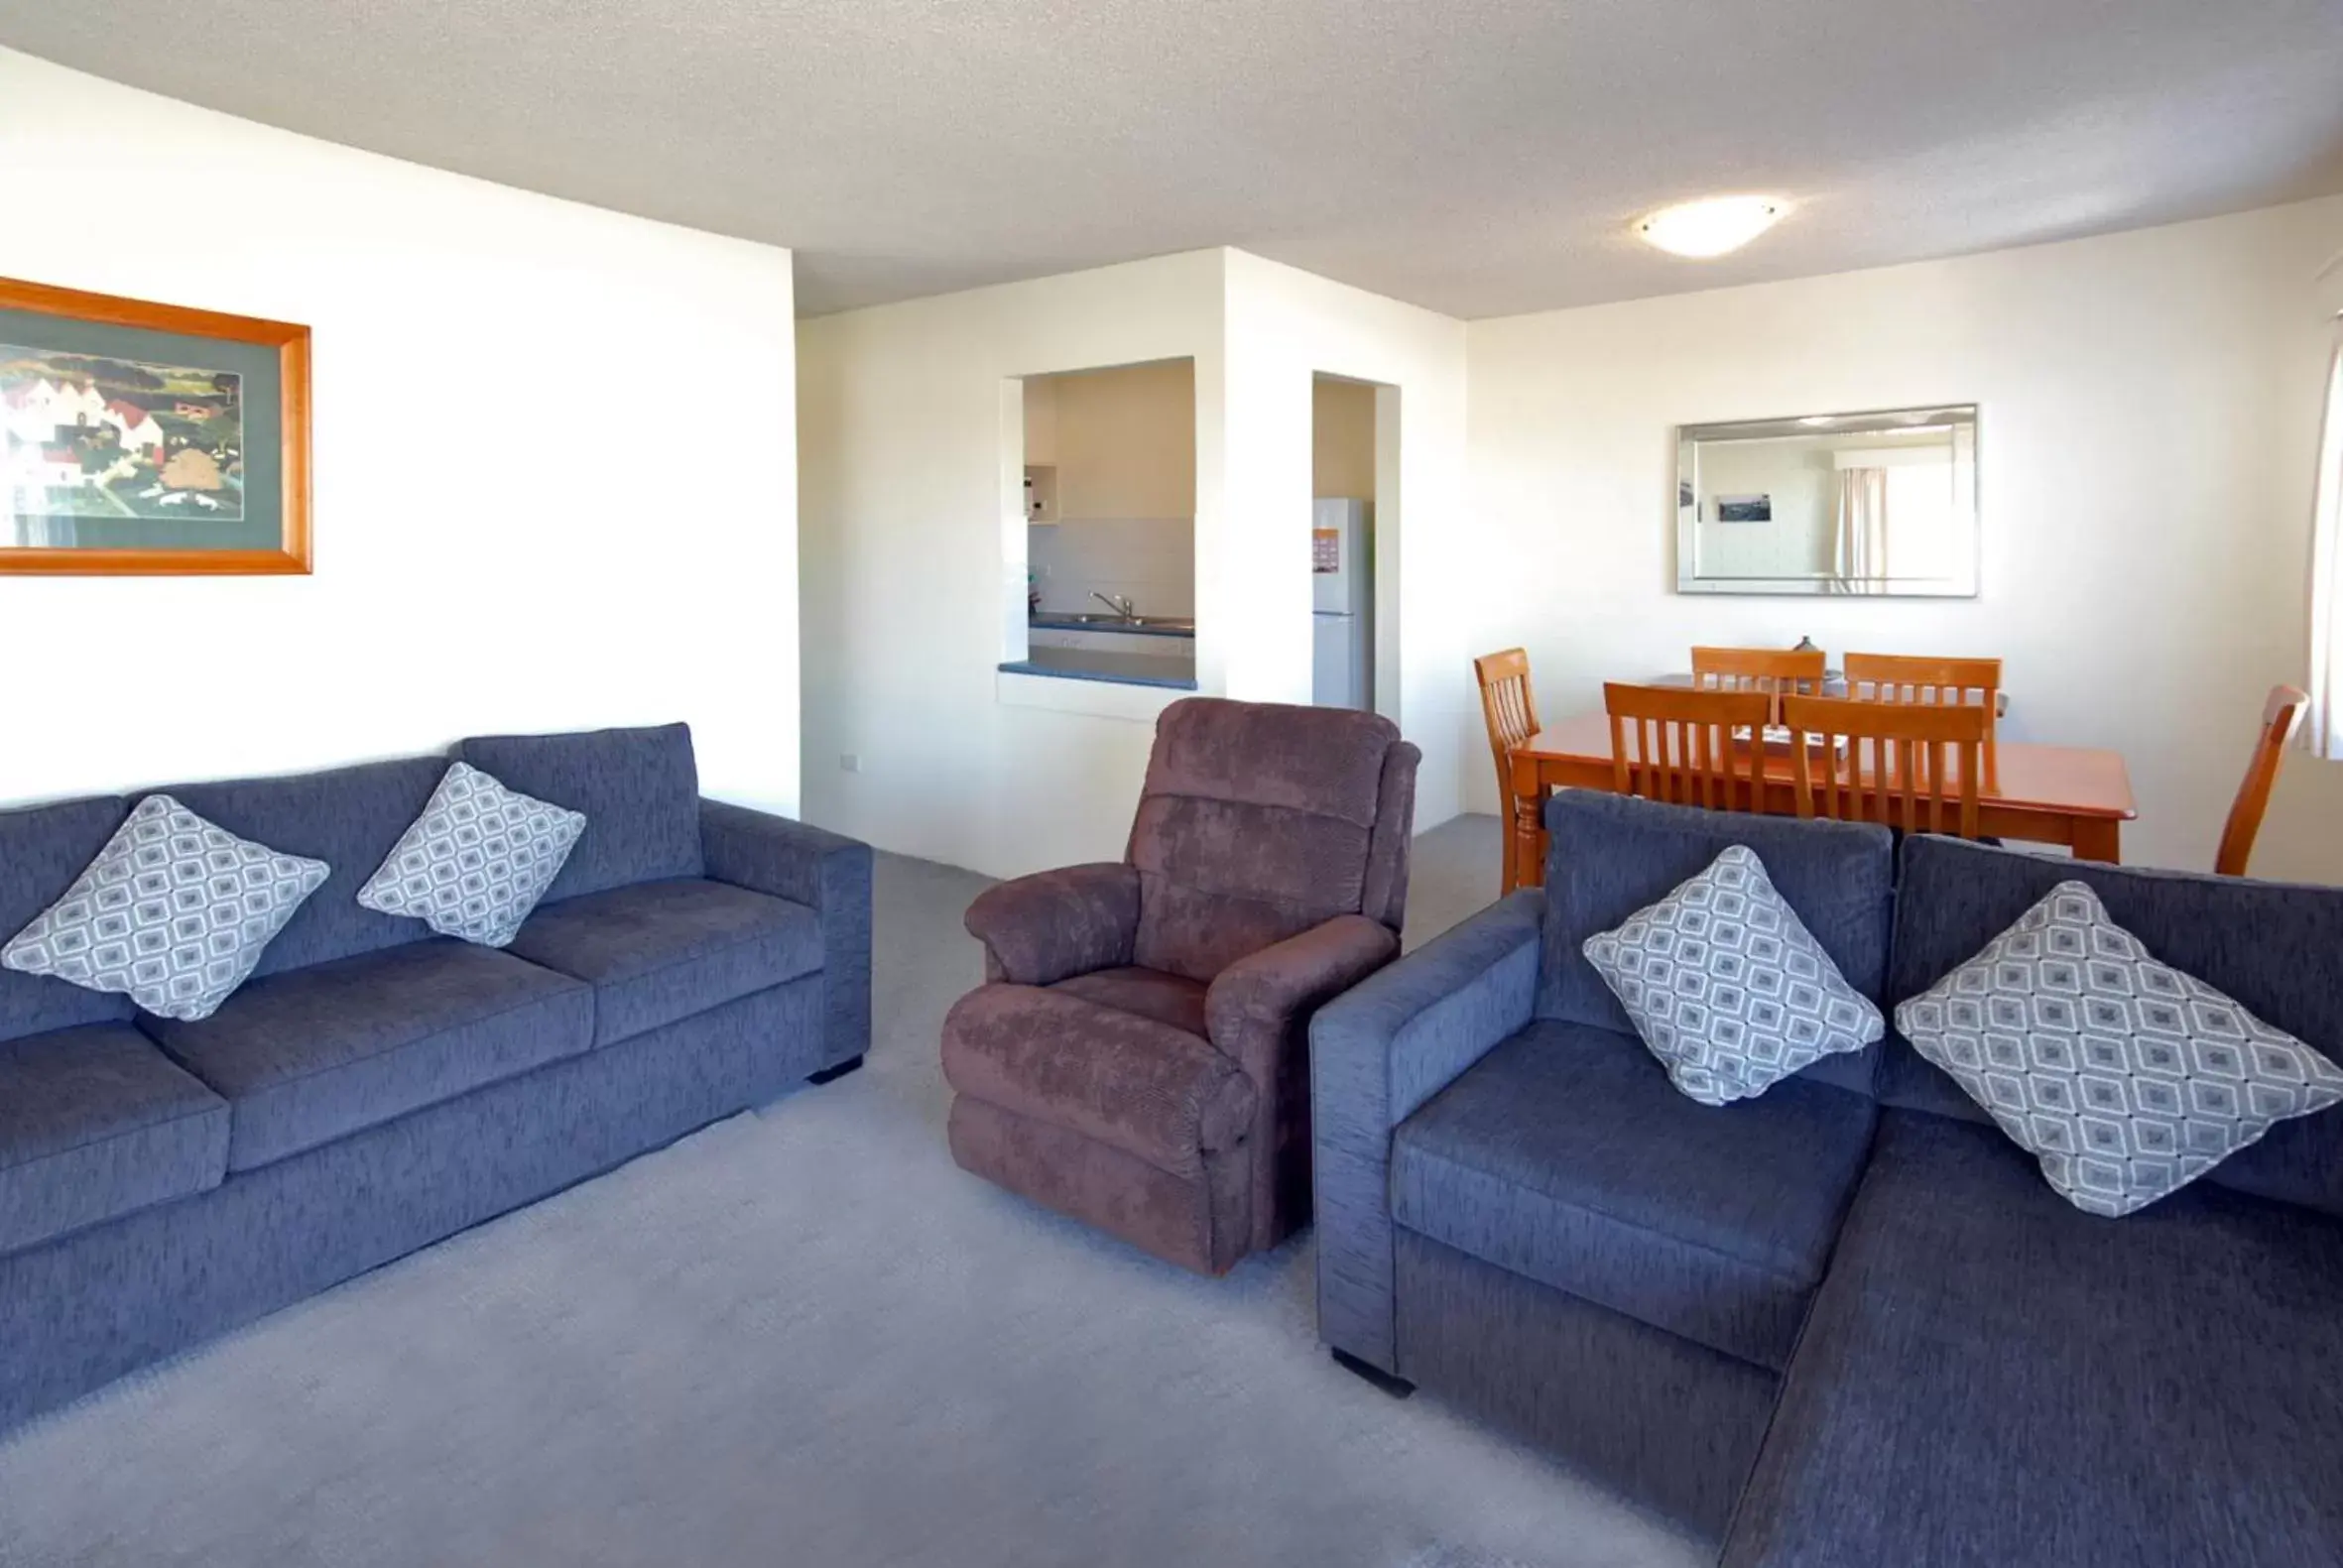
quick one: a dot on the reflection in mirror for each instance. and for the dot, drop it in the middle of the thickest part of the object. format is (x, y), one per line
(1878, 503)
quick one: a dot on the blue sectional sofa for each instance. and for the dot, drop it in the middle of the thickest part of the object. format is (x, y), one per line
(374, 1087)
(1846, 1323)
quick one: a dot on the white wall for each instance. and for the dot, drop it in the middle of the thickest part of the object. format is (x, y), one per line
(1285, 327)
(2149, 412)
(912, 558)
(913, 548)
(511, 531)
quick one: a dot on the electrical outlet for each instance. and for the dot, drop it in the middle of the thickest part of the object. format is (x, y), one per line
(851, 762)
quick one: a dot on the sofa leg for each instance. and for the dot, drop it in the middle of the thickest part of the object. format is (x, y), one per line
(833, 1074)
(1396, 1388)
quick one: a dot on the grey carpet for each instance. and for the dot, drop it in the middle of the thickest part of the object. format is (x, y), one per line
(804, 1337)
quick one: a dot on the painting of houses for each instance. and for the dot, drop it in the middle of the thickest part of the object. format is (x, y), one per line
(140, 438)
(86, 436)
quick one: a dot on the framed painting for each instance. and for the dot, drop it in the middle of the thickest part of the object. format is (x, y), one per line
(141, 439)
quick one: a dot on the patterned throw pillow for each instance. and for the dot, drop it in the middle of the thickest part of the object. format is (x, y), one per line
(173, 913)
(477, 860)
(1726, 985)
(2125, 1077)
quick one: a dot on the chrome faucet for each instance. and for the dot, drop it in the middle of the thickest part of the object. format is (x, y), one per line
(1123, 607)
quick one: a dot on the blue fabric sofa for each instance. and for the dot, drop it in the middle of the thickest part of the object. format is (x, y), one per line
(1846, 1323)
(375, 1087)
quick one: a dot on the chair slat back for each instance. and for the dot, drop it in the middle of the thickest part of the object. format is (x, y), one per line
(1772, 671)
(1507, 701)
(1913, 767)
(1511, 710)
(2281, 716)
(1689, 747)
(1921, 679)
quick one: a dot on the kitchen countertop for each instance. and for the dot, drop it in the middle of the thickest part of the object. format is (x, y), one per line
(1066, 621)
(1086, 664)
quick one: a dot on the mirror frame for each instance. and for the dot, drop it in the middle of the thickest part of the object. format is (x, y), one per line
(1967, 586)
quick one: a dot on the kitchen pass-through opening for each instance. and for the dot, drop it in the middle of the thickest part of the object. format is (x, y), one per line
(1109, 496)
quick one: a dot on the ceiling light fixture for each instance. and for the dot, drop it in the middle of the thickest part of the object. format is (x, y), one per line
(1703, 229)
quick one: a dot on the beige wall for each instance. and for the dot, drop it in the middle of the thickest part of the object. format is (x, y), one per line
(1123, 440)
(2149, 405)
(1342, 439)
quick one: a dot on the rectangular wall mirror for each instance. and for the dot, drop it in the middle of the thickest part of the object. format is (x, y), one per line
(1879, 504)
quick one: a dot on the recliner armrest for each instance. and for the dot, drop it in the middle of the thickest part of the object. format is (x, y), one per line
(1377, 1053)
(1040, 929)
(806, 865)
(1252, 1003)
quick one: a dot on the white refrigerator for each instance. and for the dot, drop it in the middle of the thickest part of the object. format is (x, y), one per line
(1342, 599)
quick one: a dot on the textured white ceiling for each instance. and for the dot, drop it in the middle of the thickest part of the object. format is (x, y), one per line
(1480, 157)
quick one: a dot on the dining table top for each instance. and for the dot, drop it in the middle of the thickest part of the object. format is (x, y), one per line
(2070, 780)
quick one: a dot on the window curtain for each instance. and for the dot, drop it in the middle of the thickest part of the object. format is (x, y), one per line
(2327, 574)
(1860, 559)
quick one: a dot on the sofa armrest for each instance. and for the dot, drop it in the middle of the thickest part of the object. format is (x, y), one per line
(1040, 929)
(1253, 1004)
(812, 866)
(1379, 1052)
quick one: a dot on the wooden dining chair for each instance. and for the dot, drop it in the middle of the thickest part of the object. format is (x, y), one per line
(1905, 678)
(1901, 763)
(2281, 716)
(1512, 711)
(1772, 671)
(1685, 748)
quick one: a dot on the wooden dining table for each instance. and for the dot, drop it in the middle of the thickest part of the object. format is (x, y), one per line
(2071, 795)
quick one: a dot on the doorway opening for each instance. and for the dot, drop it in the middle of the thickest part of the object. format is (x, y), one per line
(1354, 538)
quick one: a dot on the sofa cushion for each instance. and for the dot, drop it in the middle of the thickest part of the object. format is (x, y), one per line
(1155, 1092)
(43, 849)
(1567, 1155)
(306, 1057)
(174, 912)
(476, 861)
(1152, 994)
(2267, 944)
(639, 791)
(94, 1123)
(1611, 855)
(1990, 1376)
(1726, 985)
(658, 951)
(2125, 1077)
(348, 817)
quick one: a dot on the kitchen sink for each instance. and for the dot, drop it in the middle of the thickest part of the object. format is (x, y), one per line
(1111, 622)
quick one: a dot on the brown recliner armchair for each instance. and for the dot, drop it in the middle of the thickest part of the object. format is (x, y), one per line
(1139, 1058)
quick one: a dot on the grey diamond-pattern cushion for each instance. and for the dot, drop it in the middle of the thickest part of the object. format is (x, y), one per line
(477, 860)
(2126, 1078)
(173, 913)
(1726, 985)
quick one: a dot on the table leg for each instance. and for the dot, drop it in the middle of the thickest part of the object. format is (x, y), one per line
(2098, 839)
(1529, 825)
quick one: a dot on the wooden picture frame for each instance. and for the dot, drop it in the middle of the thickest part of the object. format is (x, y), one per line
(135, 468)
